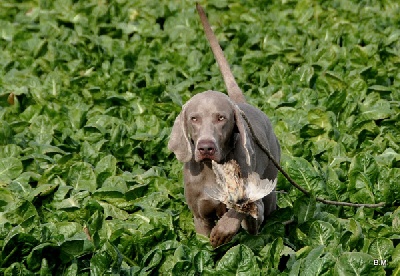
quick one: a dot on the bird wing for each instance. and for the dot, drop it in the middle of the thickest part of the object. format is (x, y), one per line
(257, 188)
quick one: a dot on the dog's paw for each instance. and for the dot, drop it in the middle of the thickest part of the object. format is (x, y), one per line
(225, 230)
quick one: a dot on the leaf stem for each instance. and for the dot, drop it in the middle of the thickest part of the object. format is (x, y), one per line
(9, 256)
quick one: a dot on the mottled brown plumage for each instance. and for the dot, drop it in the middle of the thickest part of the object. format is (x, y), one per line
(236, 191)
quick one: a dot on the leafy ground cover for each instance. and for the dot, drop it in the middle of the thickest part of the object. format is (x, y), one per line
(88, 94)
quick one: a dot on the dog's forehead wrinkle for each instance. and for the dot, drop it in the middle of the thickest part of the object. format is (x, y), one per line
(209, 96)
(210, 104)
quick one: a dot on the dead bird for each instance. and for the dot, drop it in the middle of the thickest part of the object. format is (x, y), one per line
(236, 191)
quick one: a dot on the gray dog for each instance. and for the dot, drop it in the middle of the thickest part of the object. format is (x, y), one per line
(210, 127)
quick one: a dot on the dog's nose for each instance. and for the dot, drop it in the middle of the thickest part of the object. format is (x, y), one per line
(206, 147)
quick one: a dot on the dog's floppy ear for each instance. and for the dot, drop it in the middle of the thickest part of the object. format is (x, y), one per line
(179, 141)
(246, 143)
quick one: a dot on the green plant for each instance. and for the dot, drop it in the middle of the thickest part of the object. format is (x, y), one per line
(89, 187)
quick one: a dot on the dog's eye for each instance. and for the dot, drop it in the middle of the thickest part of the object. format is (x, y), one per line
(221, 118)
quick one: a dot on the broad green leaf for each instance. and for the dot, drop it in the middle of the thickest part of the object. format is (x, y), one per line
(17, 269)
(388, 157)
(317, 262)
(6, 198)
(335, 188)
(311, 130)
(284, 200)
(357, 263)
(375, 110)
(295, 269)
(62, 192)
(359, 55)
(91, 151)
(68, 229)
(305, 72)
(5, 133)
(178, 261)
(68, 203)
(106, 165)
(320, 118)
(113, 212)
(17, 243)
(391, 186)
(336, 101)
(301, 236)
(355, 93)
(42, 129)
(380, 88)
(396, 220)
(320, 266)
(363, 174)
(304, 209)
(152, 260)
(22, 213)
(202, 260)
(278, 74)
(77, 113)
(72, 248)
(10, 168)
(94, 225)
(326, 58)
(136, 191)
(35, 257)
(239, 260)
(11, 150)
(72, 269)
(114, 183)
(357, 235)
(361, 189)
(45, 269)
(42, 190)
(181, 266)
(322, 233)
(307, 97)
(107, 260)
(82, 177)
(304, 174)
(396, 257)
(381, 249)
(271, 253)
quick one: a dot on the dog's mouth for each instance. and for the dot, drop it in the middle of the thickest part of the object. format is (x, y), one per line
(208, 157)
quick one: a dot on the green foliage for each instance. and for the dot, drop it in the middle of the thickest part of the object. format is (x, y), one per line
(89, 91)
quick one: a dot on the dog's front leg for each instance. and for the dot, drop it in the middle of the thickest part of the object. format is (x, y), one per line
(207, 212)
(226, 228)
(203, 225)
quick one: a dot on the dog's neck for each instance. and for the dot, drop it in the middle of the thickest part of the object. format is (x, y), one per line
(229, 148)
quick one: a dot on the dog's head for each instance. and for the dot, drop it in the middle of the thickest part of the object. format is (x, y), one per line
(206, 127)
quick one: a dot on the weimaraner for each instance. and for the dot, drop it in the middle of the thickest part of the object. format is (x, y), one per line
(210, 127)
